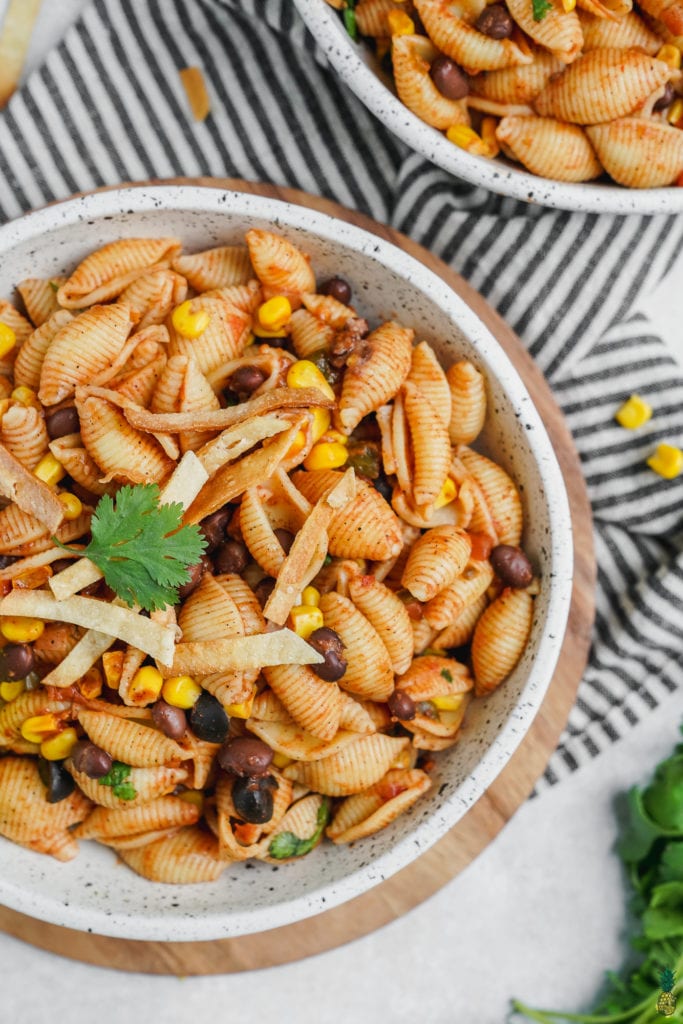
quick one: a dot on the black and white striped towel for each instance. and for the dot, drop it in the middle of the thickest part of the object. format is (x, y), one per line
(107, 106)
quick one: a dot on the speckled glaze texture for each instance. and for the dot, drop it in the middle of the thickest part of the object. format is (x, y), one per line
(356, 64)
(94, 893)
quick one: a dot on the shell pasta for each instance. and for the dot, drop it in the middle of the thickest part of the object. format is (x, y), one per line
(573, 90)
(362, 580)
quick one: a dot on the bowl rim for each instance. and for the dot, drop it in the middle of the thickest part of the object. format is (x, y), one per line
(131, 200)
(503, 179)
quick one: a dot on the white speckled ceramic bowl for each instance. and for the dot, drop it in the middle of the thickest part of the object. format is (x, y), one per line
(93, 892)
(359, 68)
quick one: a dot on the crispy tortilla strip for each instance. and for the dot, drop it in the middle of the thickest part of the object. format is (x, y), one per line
(218, 419)
(233, 479)
(308, 551)
(182, 486)
(283, 647)
(80, 658)
(31, 495)
(235, 441)
(17, 27)
(33, 562)
(122, 623)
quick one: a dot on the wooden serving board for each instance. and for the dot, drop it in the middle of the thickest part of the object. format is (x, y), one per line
(486, 818)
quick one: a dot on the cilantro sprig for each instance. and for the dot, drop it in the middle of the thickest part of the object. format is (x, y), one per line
(651, 848)
(349, 16)
(118, 777)
(140, 546)
(286, 844)
(540, 8)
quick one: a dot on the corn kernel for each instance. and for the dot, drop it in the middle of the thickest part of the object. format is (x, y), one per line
(181, 692)
(72, 505)
(466, 138)
(188, 322)
(675, 112)
(56, 748)
(326, 455)
(25, 396)
(448, 702)
(11, 690)
(21, 630)
(192, 796)
(633, 413)
(4, 404)
(36, 729)
(145, 686)
(671, 55)
(242, 710)
(91, 684)
(667, 461)
(400, 24)
(335, 435)
(273, 315)
(568, 6)
(297, 444)
(281, 760)
(112, 663)
(321, 423)
(305, 620)
(310, 597)
(488, 134)
(446, 494)
(8, 339)
(49, 470)
(305, 374)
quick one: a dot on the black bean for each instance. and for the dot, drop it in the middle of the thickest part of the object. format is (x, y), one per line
(231, 556)
(495, 21)
(426, 708)
(328, 643)
(449, 78)
(62, 422)
(16, 661)
(666, 99)
(6, 560)
(60, 564)
(56, 779)
(245, 755)
(401, 705)
(264, 589)
(213, 527)
(384, 487)
(285, 539)
(171, 720)
(253, 798)
(91, 759)
(208, 719)
(337, 288)
(196, 572)
(511, 566)
(247, 379)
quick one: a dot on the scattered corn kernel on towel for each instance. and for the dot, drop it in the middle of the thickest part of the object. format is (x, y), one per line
(108, 106)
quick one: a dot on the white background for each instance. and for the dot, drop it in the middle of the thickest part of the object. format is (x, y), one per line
(539, 915)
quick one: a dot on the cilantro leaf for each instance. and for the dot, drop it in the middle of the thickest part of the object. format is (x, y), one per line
(446, 675)
(141, 548)
(540, 8)
(350, 23)
(286, 844)
(118, 777)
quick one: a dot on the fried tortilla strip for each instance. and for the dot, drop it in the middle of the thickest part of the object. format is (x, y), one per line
(308, 551)
(31, 495)
(201, 658)
(234, 478)
(34, 562)
(80, 658)
(235, 441)
(182, 486)
(122, 623)
(219, 419)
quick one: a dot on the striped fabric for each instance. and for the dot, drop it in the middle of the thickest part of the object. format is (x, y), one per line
(107, 106)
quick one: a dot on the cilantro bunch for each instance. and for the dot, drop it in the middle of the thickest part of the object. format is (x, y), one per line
(140, 546)
(652, 851)
(118, 777)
